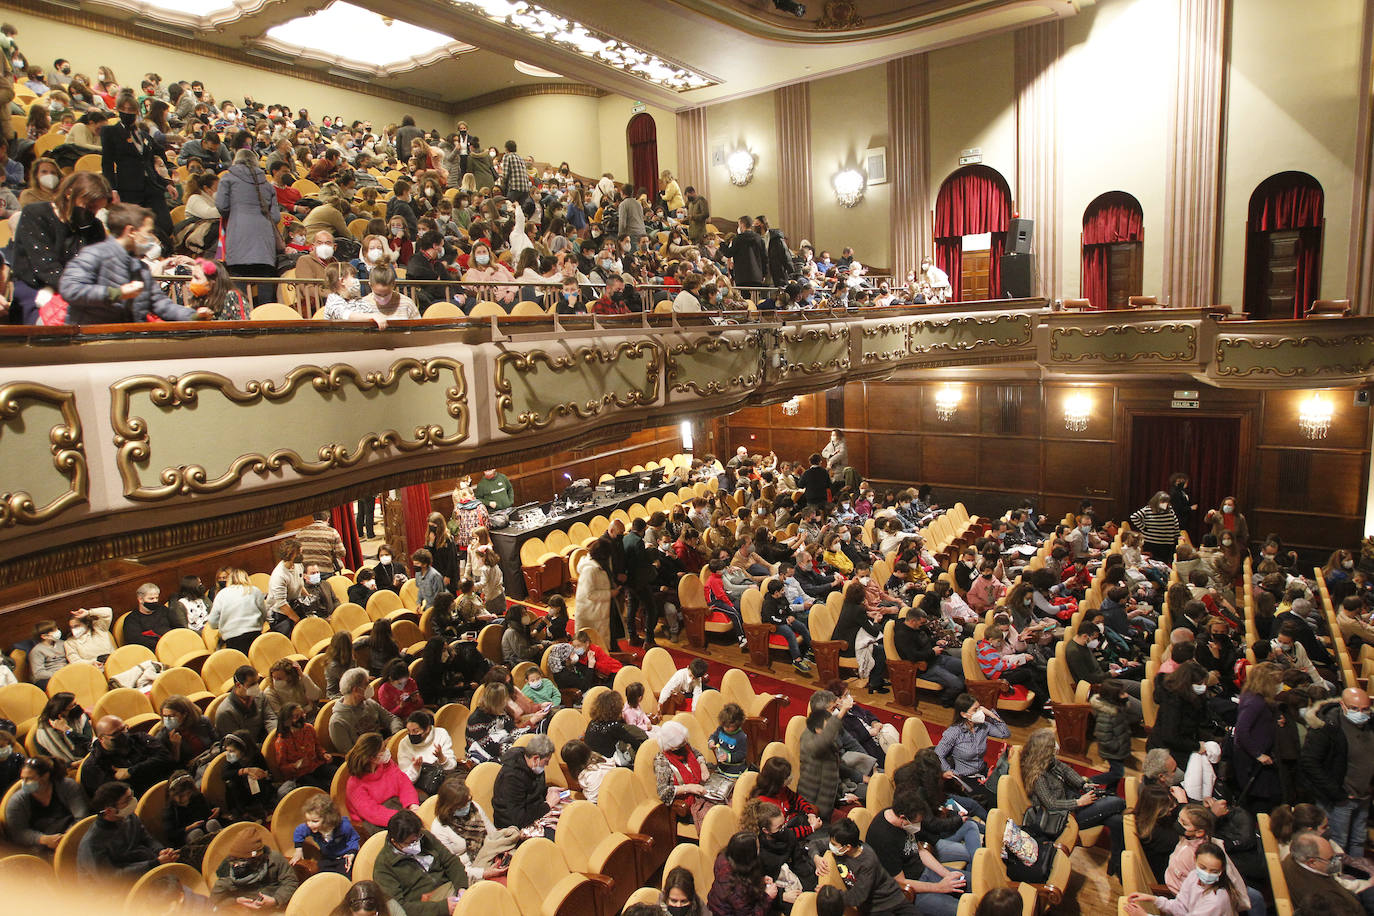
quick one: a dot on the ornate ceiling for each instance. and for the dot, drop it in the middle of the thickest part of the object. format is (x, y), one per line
(673, 54)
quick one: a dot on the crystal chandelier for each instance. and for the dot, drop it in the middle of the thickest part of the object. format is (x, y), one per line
(946, 403)
(740, 165)
(849, 187)
(1314, 417)
(1078, 409)
(792, 406)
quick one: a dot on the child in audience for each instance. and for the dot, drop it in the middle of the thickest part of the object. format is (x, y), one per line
(633, 714)
(686, 685)
(188, 818)
(539, 688)
(586, 766)
(729, 743)
(326, 838)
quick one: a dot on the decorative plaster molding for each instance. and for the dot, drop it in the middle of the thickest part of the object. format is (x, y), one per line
(534, 420)
(1146, 335)
(973, 333)
(131, 437)
(69, 457)
(1349, 355)
(679, 380)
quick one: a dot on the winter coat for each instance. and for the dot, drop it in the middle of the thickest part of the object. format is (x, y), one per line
(1256, 733)
(517, 798)
(91, 281)
(1324, 754)
(1112, 730)
(247, 200)
(750, 256)
(1178, 724)
(779, 258)
(819, 781)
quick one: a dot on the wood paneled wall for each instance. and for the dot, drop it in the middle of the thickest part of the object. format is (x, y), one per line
(1007, 441)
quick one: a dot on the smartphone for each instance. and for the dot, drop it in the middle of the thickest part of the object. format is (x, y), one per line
(565, 795)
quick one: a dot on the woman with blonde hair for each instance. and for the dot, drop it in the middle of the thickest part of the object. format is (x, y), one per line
(671, 194)
(238, 612)
(1257, 715)
(1056, 787)
(443, 549)
(44, 177)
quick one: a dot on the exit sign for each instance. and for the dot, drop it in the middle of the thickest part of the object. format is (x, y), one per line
(637, 107)
(1185, 405)
(971, 156)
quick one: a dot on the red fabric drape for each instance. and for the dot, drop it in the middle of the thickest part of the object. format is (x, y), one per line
(344, 522)
(1112, 218)
(642, 134)
(974, 200)
(1284, 202)
(1207, 449)
(416, 505)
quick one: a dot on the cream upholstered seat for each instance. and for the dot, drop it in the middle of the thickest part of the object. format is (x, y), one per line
(179, 681)
(129, 704)
(633, 812)
(182, 648)
(542, 883)
(318, 895)
(218, 670)
(590, 846)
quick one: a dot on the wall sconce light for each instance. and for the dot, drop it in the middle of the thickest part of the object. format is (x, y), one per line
(1078, 408)
(740, 165)
(1314, 416)
(792, 406)
(946, 403)
(849, 187)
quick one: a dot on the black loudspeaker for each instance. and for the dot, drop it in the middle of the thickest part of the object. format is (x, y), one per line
(1018, 275)
(1019, 232)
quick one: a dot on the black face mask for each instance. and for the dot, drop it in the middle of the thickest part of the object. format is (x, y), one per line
(127, 118)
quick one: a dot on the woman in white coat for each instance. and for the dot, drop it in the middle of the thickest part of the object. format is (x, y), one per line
(594, 591)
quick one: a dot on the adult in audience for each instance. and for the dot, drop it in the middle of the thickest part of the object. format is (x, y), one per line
(109, 282)
(858, 624)
(117, 842)
(130, 162)
(747, 253)
(1228, 517)
(1159, 525)
(681, 773)
(356, 713)
(289, 684)
(1256, 734)
(249, 204)
(1055, 786)
(520, 796)
(186, 734)
(427, 751)
(135, 758)
(320, 543)
(63, 730)
(376, 787)
(50, 234)
(1337, 763)
(285, 586)
(45, 807)
(254, 876)
(416, 870)
(1310, 871)
(740, 887)
(246, 709)
(238, 611)
(916, 643)
(150, 619)
(963, 745)
(298, 752)
(819, 780)
(1182, 713)
(1198, 825)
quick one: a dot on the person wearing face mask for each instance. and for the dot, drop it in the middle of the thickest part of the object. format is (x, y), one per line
(384, 300)
(312, 266)
(317, 598)
(1080, 653)
(1228, 517)
(357, 712)
(1207, 891)
(376, 787)
(1182, 718)
(1337, 765)
(117, 843)
(49, 235)
(44, 177)
(1311, 869)
(246, 709)
(46, 805)
(253, 876)
(893, 837)
(398, 693)
(249, 789)
(297, 749)
(416, 870)
(1159, 525)
(110, 282)
(48, 655)
(426, 753)
(485, 268)
(150, 618)
(63, 730)
(290, 685)
(90, 640)
(963, 746)
(867, 885)
(127, 159)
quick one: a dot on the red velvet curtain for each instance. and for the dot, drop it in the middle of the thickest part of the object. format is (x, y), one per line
(344, 522)
(1207, 449)
(1284, 202)
(416, 505)
(1112, 218)
(642, 134)
(974, 200)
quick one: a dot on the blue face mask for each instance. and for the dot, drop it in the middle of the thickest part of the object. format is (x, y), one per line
(463, 811)
(1206, 877)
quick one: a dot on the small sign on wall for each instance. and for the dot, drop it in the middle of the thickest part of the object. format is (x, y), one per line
(971, 156)
(637, 107)
(1185, 404)
(718, 155)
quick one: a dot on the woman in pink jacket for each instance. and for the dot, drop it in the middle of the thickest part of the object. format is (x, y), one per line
(376, 787)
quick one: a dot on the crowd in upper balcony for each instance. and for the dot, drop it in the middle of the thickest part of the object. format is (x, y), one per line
(162, 178)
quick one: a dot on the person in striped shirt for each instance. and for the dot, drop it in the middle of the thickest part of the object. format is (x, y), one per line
(1158, 524)
(1017, 668)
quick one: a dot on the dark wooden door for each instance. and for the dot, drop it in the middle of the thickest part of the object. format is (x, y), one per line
(973, 280)
(1125, 273)
(1279, 276)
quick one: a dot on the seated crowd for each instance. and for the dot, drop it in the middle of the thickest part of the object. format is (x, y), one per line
(262, 189)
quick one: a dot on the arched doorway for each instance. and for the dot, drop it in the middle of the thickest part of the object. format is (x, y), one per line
(971, 213)
(642, 135)
(1113, 249)
(1283, 246)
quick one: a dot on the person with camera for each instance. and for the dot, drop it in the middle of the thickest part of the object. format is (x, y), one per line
(1060, 792)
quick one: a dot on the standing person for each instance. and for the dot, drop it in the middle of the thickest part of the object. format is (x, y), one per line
(630, 215)
(249, 205)
(1338, 763)
(1228, 517)
(515, 176)
(444, 551)
(836, 455)
(495, 490)
(321, 544)
(698, 213)
(1256, 736)
(285, 587)
(748, 254)
(815, 482)
(1185, 508)
(129, 162)
(1158, 523)
(238, 611)
(595, 590)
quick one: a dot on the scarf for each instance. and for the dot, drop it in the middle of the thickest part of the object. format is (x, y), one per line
(471, 829)
(685, 763)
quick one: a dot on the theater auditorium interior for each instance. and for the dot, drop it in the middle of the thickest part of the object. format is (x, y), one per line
(918, 450)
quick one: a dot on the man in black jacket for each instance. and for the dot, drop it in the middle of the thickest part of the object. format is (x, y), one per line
(815, 483)
(780, 267)
(1338, 762)
(639, 585)
(749, 253)
(915, 643)
(427, 263)
(120, 755)
(520, 796)
(117, 842)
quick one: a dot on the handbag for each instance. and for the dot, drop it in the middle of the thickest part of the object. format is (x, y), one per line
(430, 779)
(1044, 823)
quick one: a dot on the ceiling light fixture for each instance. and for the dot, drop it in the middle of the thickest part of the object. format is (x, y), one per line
(946, 403)
(849, 187)
(547, 26)
(1078, 409)
(1314, 416)
(792, 406)
(740, 165)
(532, 70)
(790, 6)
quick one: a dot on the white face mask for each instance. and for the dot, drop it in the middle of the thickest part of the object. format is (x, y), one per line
(1199, 689)
(324, 252)
(48, 180)
(374, 254)
(78, 630)
(978, 717)
(384, 559)
(352, 286)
